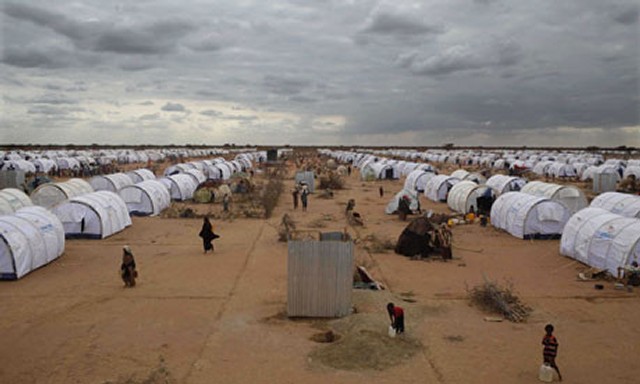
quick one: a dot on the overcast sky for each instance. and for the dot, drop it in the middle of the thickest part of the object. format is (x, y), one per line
(470, 72)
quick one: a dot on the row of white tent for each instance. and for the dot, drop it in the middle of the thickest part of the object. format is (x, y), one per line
(50, 160)
(33, 235)
(374, 164)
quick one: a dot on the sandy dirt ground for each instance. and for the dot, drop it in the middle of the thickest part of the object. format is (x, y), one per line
(220, 318)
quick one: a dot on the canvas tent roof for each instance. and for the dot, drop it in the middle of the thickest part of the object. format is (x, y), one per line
(138, 175)
(112, 182)
(12, 199)
(622, 204)
(601, 239)
(148, 197)
(414, 202)
(180, 186)
(417, 180)
(570, 196)
(438, 187)
(50, 194)
(31, 238)
(526, 216)
(464, 194)
(95, 215)
(503, 183)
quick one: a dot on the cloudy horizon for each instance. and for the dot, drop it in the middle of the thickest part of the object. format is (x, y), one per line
(359, 72)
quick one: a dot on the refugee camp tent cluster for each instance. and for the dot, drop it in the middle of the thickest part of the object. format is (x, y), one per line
(48, 161)
(557, 164)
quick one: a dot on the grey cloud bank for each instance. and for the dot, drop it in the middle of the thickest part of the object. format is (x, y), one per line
(330, 72)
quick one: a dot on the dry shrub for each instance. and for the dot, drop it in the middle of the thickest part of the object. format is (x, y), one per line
(271, 193)
(317, 223)
(286, 229)
(364, 349)
(492, 298)
(374, 244)
(331, 180)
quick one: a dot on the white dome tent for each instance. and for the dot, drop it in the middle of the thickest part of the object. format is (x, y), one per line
(437, 188)
(632, 170)
(94, 215)
(180, 186)
(113, 182)
(601, 239)
(502, 183)
(463, 174)
(49, 194)
(414, 201)
(12, 199)
(529, 217)
(31, 238)
(619, 203)
(142, 174)
(570, 196)
(197, 175)
(417, 180)
(148, 197)
(464, 195)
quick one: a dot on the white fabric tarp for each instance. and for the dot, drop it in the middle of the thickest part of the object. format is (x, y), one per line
(148, 197)
(601, 239)
(527, 216)
(49, 194)
(94, 215)
(619, 203)
(31, 238)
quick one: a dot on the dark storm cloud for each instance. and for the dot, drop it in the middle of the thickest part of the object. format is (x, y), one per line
(626, 15)
(32, 58)
(52, 110)
(282, 85)
(461, 58)
(54, 99)
(158, 37)
(174, 107)
(393, 22)
(211, 113)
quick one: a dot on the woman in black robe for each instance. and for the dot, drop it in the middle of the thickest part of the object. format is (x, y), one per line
(207, 235)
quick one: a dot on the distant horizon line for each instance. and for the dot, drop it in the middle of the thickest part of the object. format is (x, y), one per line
(447, 146)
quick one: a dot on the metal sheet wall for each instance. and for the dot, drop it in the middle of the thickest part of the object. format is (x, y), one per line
(320, 278)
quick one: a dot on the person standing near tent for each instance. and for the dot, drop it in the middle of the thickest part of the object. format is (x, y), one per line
(295, 193)
(550, 350)
(381, 191)
(225, 202)
(128, 270)
(207, 235)
(396, 314)
(304, 196)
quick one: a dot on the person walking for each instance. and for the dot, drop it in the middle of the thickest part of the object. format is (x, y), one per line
(225, 202)
(550, 350)
(396, 314)
(304, 196)
(295, 193)
(207, 235)
(128, 270)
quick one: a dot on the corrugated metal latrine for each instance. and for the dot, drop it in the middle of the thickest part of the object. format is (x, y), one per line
(320, 278)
